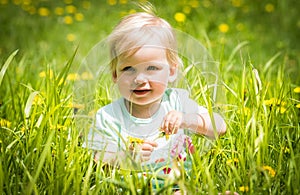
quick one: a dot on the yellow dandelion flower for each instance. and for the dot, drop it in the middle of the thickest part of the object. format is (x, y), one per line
(59, 11)
(281, 109)
(68, 20)
(236, 3)
(297, 90)
(286, 150)
(187, 9)
(71, 9)
(87, 76)
(123, 1)
(5, 123)
(232, 161)
(135, 140)
(194, 3)
(17, 2)
(79, 16)
(71, 37)
(274, 102)
(86, 4)
(73, 105)
(44, 74)
(68, 1)
(224, 28)
(298, 106)
(23, 129)
(31, 10)
(73, 77)
(270, 170)
(112, 2)
(132, 11)
(269, 7)
(26, 2)
(43, 11)
(58, 127)
(180, 17)
(3, 2)
(38, 100)
(244, 188)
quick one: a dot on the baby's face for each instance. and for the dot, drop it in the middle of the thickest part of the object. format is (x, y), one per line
(143, 77)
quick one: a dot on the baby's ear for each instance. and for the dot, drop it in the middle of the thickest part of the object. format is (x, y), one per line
(173, 74)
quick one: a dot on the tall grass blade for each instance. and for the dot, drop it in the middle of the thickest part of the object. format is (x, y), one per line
(6, 64)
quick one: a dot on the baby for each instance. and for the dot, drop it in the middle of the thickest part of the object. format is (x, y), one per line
(151, 123)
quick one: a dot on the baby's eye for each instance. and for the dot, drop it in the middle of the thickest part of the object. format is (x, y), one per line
(152, 68)
(128, 68)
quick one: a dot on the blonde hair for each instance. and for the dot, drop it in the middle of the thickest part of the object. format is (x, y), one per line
(140, 29)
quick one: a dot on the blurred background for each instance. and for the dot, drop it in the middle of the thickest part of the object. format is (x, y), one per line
(52, 29)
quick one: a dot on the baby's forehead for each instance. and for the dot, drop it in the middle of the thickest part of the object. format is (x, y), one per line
(146, 53)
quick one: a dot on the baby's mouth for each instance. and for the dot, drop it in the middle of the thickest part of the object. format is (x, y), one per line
(141, 91)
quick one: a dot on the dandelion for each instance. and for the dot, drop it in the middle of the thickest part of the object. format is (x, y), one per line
(132, 11)
(297, 90)
(59, 11)
(5, 123)
(43, 11)
(194, 3)
(224, 28)
(31, 10)
(58, 127)
(281, 110)
(17, 2)
(68, 1)
(123, 1)
(187, 9)
(71, 9)
(76, 106)
(87, 76)
(71, 37)
(68, 20)
(86, 4)
(38, 100)
(3, 2)
(79, 16)
(26, 2)
(44, 74)
(286, 150)
(298, 106)
(112, 2)
(236, 3)
(232, 161)
(180, 17)
(73, 77)
(274, 102)
(270, 170)
(269, 7)
(244, 188)
(134, 140)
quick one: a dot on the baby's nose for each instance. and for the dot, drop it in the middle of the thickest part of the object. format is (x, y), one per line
(140, 78)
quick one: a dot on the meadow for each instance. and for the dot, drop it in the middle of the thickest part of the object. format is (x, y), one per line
(254, 44)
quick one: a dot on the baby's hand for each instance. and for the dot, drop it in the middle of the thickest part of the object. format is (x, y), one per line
(172, 122)
(143, 151)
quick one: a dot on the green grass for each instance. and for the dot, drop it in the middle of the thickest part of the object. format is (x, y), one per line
(40, 141)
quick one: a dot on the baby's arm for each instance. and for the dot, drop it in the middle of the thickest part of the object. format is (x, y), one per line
(198, 123)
